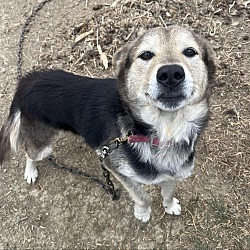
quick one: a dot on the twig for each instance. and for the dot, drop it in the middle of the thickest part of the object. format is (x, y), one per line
(162, 21)
(88, 71)
(83, 35)
(130, 34)
(231, 6)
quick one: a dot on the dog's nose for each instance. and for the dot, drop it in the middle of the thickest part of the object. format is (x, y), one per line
(170, 75)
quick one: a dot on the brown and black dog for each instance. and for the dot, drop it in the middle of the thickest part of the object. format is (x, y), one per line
(160, 94)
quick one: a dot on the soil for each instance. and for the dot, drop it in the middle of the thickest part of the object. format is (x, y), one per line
(67, 211)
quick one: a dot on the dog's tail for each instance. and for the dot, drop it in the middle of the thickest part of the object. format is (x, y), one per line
(10, 135)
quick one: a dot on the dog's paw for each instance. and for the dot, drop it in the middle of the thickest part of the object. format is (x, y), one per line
(173, 207)
(30, 175)
(142, 213)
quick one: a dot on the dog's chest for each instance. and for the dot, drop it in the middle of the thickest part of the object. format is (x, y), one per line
(167, 156)
(149, 164)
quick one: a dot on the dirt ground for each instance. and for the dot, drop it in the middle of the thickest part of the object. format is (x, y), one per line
(65, 211)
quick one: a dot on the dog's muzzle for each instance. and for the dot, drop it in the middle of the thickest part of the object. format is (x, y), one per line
(170, 79)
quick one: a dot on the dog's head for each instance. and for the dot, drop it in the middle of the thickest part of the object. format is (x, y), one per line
(167, 68)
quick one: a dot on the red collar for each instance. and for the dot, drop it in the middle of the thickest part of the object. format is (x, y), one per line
(142, 138)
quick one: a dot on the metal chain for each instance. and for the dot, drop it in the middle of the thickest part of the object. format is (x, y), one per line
(106, 150)
(109, 187)
(24, 31)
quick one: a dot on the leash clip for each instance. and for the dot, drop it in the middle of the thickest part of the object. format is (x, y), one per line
(105, 152)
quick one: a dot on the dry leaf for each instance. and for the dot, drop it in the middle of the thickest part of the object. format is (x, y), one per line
(104, 60)
(103, 57)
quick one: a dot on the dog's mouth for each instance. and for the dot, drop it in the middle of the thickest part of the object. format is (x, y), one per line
(171, 100)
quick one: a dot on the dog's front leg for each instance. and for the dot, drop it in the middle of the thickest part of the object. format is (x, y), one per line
(142, 199)
(171, 204)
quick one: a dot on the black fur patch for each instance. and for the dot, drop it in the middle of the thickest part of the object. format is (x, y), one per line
(143, 169)
(83, 105)
(210, 65)
(201, 123)
(191, 157)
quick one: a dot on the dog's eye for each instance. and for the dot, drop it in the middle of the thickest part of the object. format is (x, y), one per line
(190, 52)
(147, 55)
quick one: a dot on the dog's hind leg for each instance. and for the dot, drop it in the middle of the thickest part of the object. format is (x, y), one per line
(32, 157)
(38, 145)
(30, 172)
(171, 204)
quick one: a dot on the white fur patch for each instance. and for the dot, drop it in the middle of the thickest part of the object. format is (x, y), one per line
(142, 213)
(173, 207)
(176, 125)
(15, 131)
(31, 172)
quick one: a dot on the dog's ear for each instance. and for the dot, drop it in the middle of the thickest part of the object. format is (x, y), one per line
(209, 58)
(210, 61)
(122, 59)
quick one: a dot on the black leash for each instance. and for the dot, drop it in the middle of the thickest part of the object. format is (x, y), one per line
(106, 150)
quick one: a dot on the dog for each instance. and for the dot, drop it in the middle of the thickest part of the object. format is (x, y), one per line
(158, 101)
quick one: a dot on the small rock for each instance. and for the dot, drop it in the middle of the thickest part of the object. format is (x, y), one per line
(97, 7)
(245, 37)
